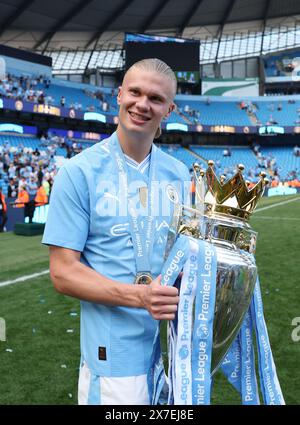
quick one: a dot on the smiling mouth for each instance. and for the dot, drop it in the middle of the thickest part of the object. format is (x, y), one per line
(138, 117)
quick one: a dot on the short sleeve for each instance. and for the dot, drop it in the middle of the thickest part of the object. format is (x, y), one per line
(68, 218)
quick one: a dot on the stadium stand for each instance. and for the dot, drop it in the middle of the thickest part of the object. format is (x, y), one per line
(281, 163)
(212, 113)
(183, 155)
(286, 164)
(23, 157)
(279, 110)
(226, 159)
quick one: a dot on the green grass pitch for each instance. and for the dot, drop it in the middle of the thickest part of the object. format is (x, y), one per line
(39, 359)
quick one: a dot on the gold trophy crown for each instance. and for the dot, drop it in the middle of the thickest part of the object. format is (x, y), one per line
(231, 197)
(222, 209)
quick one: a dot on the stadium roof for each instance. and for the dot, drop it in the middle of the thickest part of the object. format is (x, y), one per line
(44, 24)
(83, 34)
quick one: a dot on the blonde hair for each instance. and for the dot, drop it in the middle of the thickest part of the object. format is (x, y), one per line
(156, 65)
(159, 66)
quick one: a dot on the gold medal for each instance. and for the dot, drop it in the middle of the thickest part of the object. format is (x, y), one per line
(143, 278)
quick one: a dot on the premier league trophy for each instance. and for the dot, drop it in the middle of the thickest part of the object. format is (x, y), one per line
(220, 302)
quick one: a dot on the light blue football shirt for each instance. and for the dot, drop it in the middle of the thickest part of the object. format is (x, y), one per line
(87, 213)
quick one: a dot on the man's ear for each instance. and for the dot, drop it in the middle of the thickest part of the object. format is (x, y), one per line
(171, 109)
(119, 95)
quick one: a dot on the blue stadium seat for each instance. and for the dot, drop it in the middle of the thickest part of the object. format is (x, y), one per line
(217, 113)
(286, 161)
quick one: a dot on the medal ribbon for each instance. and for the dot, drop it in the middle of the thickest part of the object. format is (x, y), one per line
(141, 229)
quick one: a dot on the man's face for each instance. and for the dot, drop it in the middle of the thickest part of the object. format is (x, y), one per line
(145, 98)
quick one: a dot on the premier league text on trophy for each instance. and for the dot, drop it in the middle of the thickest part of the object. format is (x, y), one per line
(2, 329)
(201, 320)
(296, 331)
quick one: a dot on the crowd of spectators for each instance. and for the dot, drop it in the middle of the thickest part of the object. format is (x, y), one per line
(266, 163)
(25, 88)
(27, 175)
(248, 106)
(26, 169)
(35, 89)
(251, 174)
(251, 109)
(269, 164)
(100, 96)
(192, 114)
(53, 141)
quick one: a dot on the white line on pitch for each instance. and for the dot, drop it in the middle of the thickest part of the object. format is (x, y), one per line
(277, 204)
(276, 218)
(23, 278)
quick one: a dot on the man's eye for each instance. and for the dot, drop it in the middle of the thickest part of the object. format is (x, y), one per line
(134, 92)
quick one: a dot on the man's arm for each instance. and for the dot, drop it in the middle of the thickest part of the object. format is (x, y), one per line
(75, 279)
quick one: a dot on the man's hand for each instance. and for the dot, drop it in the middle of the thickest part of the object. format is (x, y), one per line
(161, 301)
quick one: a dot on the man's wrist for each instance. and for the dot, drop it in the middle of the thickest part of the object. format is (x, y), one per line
(142, 291)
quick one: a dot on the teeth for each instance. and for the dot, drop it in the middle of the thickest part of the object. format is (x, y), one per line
(141, 117)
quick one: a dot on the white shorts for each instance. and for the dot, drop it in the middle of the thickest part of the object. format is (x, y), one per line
(94, 389)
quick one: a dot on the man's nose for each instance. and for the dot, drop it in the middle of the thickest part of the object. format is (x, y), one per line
(143, 103)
